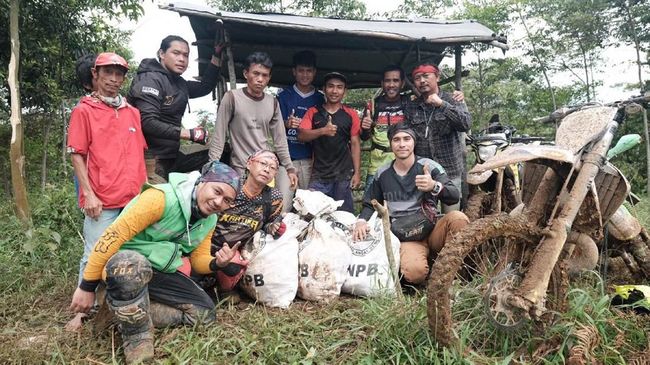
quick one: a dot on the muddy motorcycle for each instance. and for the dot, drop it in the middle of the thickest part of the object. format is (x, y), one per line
(497, 190)
(515, 266)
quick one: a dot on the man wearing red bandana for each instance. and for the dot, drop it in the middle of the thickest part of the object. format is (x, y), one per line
(439, 120)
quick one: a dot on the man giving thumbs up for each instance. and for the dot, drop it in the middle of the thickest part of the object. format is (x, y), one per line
(412, 187)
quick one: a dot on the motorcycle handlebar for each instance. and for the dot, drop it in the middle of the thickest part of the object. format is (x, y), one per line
(527, 139)
(559, 114)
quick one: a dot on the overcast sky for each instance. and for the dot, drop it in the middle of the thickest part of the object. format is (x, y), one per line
(156, 24)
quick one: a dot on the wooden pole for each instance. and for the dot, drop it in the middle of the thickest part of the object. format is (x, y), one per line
(231, 61)
(16, 150)
(382, 211)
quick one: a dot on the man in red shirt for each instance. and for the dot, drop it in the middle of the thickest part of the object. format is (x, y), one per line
(106, 146)
(334, 129)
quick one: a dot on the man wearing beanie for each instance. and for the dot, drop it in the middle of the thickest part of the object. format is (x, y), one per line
(412, 186)
(439, 120)
(145, 257)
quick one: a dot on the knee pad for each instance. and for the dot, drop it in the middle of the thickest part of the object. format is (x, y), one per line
(127, 275)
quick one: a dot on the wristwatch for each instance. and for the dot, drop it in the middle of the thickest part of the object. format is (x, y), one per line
(437, 188)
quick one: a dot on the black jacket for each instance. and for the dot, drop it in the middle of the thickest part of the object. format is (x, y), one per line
(161, 98)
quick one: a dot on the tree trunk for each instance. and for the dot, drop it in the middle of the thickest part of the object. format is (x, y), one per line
(16, 151)
(637, 47)
(46, 139)
(64, 149)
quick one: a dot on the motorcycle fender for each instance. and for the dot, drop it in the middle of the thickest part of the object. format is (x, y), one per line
(480, 178)
(623, 226)
(517, 154)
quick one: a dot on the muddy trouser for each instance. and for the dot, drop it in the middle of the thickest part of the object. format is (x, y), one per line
(414, 256)
(131, 284)
(454, 207)
(159, 168)
(303, 170)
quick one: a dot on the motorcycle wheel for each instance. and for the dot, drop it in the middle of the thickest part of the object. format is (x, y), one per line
(495, 251)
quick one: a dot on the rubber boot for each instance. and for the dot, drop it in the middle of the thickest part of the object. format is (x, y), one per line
(136, 327)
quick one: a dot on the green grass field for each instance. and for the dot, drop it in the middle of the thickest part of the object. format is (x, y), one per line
(38, 273)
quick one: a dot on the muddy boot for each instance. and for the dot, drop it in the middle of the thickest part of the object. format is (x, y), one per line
(135, 325)
(127, 276)
(163, 315)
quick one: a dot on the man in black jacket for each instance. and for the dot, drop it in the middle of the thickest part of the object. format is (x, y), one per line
(161, 95)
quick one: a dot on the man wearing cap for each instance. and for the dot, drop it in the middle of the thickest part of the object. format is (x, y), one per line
(412, 186)
(145, 257)
(294, 101)
(439, 120)
(161, 94)
(252, 117)
(106, 147)
(333, 129)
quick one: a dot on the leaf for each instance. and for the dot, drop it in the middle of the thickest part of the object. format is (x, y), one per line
(56, 236)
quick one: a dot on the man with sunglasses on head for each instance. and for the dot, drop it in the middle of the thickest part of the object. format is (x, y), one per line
(439, 120)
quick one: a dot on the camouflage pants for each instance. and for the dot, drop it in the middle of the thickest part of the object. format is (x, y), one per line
(141, 297)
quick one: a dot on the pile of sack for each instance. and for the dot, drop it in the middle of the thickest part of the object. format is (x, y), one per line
(316, 258)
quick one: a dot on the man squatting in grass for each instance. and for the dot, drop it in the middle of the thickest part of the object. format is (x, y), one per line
(294, 101)
(412, 186)
(257, 206)
(161, 94)
(145, 257)
(333, 129)
(250, 115)
(440, 120)
(106, 147)
(387, 109)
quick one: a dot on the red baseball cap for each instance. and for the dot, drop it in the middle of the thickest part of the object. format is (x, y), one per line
(110, 58)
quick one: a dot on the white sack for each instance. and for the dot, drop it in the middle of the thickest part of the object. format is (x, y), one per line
(323, 260)
(314, 203)
(368, 273)
(272, 274)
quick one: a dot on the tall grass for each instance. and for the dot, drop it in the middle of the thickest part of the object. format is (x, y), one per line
(38, 275)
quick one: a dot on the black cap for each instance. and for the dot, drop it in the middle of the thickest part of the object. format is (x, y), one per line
(335, 75)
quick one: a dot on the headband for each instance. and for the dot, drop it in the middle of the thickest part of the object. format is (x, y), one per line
(425, 69)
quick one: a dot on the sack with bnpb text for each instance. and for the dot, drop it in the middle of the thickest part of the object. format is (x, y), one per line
(369, 272)
(272, 274)
(323, 260)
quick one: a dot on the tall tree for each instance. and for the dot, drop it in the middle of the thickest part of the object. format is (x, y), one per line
(576, 32)
(633, 27)
(16, 154)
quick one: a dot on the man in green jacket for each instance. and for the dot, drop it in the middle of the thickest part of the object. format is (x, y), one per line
(146, 255)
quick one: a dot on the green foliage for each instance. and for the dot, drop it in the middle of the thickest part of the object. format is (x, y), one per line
(343, 9)
(52, 35)
(423, 8)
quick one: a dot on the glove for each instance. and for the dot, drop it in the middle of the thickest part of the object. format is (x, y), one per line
(199, 135)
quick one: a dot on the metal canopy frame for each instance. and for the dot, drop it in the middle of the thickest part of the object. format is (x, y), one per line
(360, 49)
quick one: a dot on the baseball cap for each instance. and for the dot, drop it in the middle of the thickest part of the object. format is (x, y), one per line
(335, 75)
(110, 58)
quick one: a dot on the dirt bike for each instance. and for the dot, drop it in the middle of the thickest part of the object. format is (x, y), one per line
(519, 262)
(499, 189)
